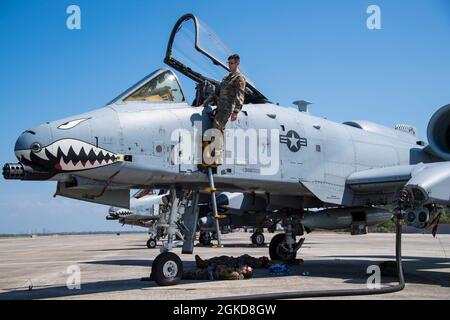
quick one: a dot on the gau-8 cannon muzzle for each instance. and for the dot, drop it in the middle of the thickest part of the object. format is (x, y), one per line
(19, 171)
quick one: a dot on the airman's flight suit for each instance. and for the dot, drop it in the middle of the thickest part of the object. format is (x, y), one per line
(217, 272)
(262, 262)
(225, 268)
(229, 99)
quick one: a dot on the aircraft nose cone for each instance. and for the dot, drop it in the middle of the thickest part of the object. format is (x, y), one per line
(113, 210)
(34, 138)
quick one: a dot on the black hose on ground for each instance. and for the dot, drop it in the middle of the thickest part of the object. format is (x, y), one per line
(338, 293)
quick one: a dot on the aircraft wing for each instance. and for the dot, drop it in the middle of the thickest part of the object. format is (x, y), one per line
(373, 179)
(428, 183)
(118, 197)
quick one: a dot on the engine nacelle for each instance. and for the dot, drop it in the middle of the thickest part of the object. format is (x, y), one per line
(438, 133)
(430, 185)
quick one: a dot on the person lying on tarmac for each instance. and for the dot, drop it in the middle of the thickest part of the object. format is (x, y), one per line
(262, 262)
(219, 272)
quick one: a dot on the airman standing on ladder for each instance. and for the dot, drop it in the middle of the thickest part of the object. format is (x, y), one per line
(229, 100)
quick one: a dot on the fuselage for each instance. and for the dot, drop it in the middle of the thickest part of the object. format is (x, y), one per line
(135, 143)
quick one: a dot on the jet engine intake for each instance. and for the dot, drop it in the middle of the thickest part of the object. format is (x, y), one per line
(438, 133)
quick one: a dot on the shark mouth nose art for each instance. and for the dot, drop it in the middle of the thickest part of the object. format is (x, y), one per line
(68, 155)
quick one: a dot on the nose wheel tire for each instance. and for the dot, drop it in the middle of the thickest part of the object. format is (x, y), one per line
(167, 269)
(258, 239)
(151, 243)
(278, 249)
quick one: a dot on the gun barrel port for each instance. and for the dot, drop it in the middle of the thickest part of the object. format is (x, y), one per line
(13, 171)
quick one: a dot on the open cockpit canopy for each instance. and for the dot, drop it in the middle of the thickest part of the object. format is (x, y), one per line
(195, 51)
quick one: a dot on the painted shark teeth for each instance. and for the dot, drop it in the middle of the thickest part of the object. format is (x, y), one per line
(71, 155)
(41, 154)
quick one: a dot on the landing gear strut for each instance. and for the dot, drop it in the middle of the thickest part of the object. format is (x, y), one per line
(167, 267)
(283, 246)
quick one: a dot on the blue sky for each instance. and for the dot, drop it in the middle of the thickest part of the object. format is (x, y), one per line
(320, 51)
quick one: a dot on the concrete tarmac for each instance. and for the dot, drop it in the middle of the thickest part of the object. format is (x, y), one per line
(112, 267)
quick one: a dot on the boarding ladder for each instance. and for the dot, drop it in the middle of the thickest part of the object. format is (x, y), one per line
(212, 190)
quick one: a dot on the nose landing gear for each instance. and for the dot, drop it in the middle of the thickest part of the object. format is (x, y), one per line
(151, 243)
(167, 269)
(258, 239)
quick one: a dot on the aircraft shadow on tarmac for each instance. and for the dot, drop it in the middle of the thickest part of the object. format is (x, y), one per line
(86, 288)
(418, 270)
(351, 269)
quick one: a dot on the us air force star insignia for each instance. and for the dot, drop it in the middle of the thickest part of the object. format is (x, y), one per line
(293, 141)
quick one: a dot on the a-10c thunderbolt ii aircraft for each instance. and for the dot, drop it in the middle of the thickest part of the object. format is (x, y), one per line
(147, 210)
(141, 140)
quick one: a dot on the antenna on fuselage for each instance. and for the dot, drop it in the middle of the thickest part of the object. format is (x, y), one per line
(302, 105)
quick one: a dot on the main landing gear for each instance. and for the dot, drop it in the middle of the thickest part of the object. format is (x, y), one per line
(284, 246)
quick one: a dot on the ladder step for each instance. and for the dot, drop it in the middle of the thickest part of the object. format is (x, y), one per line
(215, 214)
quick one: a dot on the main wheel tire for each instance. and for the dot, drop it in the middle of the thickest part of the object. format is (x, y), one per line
(167, 269)
(151, 243)
(258, 239)
(276, 250)
(205, 238)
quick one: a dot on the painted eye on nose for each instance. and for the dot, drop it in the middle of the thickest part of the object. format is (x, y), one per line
(36, 147)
